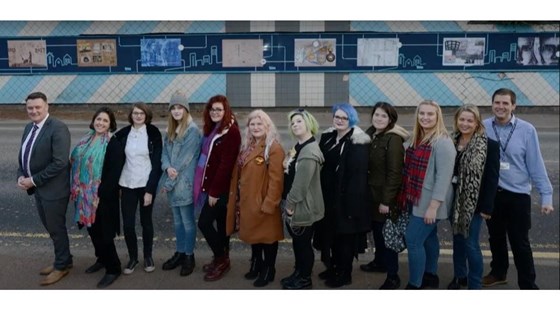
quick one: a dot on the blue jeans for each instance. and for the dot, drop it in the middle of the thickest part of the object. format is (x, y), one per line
(185, 228)
(468, 250)
(423, 249)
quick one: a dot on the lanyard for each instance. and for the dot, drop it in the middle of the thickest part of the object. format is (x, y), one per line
(503, 147)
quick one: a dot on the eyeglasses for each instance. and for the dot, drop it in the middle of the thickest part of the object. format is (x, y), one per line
(138, 113)
(340, 117)
(216, 110)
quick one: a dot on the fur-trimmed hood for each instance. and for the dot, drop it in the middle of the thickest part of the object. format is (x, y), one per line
(358, 135)
(400, 131)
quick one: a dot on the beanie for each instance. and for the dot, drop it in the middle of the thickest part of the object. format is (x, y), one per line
(179, 99)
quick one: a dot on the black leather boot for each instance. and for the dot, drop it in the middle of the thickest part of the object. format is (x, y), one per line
(174, 261)
(289, 278)
(265, 276)
(256, 265)
(298, 283)
(187, 267)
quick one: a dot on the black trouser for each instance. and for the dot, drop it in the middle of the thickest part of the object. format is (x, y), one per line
(383, 255)
(215, 236)
(512, 217)
(344, 247)
(303, 250)
(53, 217)
(270, 252)
(130, 200)
(105, 249)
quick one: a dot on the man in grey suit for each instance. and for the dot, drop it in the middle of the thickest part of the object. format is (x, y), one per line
(44, 171)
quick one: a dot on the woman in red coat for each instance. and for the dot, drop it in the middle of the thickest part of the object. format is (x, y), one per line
(220, 146)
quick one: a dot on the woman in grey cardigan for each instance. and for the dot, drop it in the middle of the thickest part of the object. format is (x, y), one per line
(303, 204)
(426, 192)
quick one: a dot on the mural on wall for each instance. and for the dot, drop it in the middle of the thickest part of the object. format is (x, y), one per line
(242, 53)
(283, 52)
(378, 52)
(319, 52)
(463, 51)
(538, 51)
(96, 52)
(27, 53)
(160, 52)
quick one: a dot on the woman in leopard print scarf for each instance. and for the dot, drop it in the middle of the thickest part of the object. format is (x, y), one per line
(475, 182)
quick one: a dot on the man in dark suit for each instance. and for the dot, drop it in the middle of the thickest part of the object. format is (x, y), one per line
(44, 171)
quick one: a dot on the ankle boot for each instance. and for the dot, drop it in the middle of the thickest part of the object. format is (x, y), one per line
(187, 267)
(430, 281)
(221, 267)
(209, 266)
(256, 265)
(290, 278)
(267, 275)
(298, 283)
(174, 261)
(340, 279)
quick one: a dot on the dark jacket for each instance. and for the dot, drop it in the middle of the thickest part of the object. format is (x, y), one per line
(490, 178)
(48, 160)
(386, 160)
(154, 148)
(219, 166)
(113, 164)
(351, 203)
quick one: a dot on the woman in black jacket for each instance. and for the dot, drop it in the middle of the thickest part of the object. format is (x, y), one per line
(137, 168)
(341, 234)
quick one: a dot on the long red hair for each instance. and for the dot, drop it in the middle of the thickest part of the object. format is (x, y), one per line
(226, 120)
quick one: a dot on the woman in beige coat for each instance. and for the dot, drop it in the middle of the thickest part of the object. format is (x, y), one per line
(255, 193)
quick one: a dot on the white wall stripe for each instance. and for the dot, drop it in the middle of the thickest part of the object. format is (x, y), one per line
(172, 27)
(527, 83)
(406, 26)
(465, 88)
(3, 80)
(262, 26)
(38, 28)
(311, 26)
(396, 89)
(104, 27)
(187, 83)
(312, 89)
(115, 88)
(263, 92)
(54, 90)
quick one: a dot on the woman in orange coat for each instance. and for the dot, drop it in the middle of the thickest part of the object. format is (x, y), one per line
(255, 193)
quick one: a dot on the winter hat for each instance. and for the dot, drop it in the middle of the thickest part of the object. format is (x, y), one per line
(179, 99)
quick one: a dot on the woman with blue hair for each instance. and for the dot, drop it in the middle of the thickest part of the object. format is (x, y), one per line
(341, 234)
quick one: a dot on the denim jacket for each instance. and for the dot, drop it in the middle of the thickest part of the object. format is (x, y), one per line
(181, 154)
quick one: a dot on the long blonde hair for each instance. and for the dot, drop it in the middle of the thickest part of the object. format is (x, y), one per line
(172, 124)
(270, 130)
(418, 136)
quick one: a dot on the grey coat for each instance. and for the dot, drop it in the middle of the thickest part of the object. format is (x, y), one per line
(437, 181)
(305, 197)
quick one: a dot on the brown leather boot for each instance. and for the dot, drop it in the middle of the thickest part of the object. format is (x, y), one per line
(221, 267)
(209, 266)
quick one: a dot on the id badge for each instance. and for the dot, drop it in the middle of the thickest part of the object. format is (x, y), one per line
(504, 166)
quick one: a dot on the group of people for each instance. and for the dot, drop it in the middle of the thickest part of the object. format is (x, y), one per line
(327, 194)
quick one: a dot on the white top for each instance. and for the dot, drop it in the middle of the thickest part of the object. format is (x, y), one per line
(137, 166)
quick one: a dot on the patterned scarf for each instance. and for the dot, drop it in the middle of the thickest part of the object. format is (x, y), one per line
(414, 171)
(199, 195)
(469, 180)
(87, 163)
